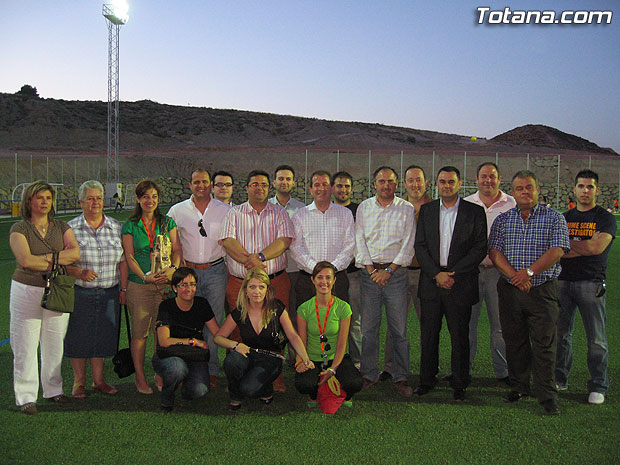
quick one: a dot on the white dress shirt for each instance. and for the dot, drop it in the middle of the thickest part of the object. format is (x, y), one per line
(196, 248)
(291, 207)
(321, 236)
(384, 234)
(447, 220)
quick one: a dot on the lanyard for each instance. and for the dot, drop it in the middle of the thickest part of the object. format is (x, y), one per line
(151, 235)
(318, 319)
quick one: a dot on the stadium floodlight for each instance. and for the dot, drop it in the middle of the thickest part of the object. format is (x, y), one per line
(117, 14)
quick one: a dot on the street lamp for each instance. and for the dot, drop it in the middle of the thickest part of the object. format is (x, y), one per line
(116, 13)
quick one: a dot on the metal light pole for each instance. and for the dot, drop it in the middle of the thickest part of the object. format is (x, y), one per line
(116, 14)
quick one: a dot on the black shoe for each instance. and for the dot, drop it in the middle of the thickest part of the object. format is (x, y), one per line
(422, 389)
(266, 400)
(513, 396)
(165, 408)
(234, 407)
(447, 377)
(551, 407)
(459, 395)
(384, 376)
(505, 381)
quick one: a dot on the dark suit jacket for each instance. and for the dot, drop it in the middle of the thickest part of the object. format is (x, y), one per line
(467, 249)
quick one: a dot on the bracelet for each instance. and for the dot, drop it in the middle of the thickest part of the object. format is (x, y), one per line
(191, 342)
(234, 349)
(373, 272)
(123, 289)
(333, 372)
(298, 362)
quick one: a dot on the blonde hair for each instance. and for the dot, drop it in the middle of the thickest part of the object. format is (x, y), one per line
(269, 304)
(32, 190)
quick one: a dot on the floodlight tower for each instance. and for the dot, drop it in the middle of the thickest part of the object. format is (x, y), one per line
(116, 13)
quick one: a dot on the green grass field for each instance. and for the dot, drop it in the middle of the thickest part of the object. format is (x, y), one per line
(381, 428)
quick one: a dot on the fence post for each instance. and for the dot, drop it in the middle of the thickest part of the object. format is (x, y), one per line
(402, 175)
(306, 180)
(558, 191)
(369, 165)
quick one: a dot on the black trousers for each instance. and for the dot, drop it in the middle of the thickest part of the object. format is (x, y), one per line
(529, 322)
(457, 317)
(349, 377)
(305, 290)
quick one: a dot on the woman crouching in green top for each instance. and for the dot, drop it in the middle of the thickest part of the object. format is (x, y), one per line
(323, 325)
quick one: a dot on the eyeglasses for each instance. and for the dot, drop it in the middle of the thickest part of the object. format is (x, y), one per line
(203, 233)
(256, 185)
(186, 285)
(221, 185)
(323, 339)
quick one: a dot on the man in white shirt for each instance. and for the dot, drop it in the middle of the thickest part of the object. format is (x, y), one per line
(198, 220)
(223, 186)
(323, 232)
(384, 238)
(494, 202)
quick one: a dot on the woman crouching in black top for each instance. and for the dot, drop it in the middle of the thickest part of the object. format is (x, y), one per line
(182, 355)
(253, 364)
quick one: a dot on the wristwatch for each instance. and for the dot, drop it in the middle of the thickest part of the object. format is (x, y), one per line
(261, 255)
(389, 270)
(529, 271)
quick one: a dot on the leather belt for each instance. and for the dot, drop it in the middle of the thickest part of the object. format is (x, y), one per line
(486, 267)
(380, 266)
(204, 266)
(271, 276)
(305, 273)
(413, 268)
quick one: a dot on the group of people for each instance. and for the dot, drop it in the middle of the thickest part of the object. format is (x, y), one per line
(253, 277)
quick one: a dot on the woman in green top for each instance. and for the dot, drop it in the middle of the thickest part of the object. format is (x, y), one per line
(145, 289)
(323, 325)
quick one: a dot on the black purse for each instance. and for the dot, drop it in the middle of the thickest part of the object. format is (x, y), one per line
(186, 352)
(277, 332)
(123, 363)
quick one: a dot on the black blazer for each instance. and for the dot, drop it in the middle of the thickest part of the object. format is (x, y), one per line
(467, 249)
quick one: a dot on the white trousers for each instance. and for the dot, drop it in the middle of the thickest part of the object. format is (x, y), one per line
(30, 326)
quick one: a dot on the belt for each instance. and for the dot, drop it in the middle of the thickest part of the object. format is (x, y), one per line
(443, 268)
(271, 276)
(204, 266)
(486, 267)
(380, 266)
(305, 273)
(413, 268)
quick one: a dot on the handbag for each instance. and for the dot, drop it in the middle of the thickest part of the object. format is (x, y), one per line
(277, 332)
(123, 362)
(187, 353)
(58, 294)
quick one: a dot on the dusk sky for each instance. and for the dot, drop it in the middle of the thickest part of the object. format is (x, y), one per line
(393, 62)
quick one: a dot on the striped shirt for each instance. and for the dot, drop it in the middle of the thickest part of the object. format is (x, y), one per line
(384, 234)
(321, 236)
(291, 207)
(503, 204)
(101, 250)
(255, 231)
(524, 242)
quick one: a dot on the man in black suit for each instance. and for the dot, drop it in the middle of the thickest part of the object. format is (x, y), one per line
(451, 241)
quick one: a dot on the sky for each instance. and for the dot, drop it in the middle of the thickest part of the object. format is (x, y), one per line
(418, 64)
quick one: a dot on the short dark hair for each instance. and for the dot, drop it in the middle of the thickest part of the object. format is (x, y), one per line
(321, 173)
(587, 174)
(223, 173)
(201, 170)
(253, 173)
(415, 167)
(381, 168)
(182, 273)
(341, 174)
(489, 163)
(284, 167)
(320, 266)
(523, 174)
(450, 169)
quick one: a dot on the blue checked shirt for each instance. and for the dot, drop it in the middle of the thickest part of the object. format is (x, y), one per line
(524, 242)
(100, 250)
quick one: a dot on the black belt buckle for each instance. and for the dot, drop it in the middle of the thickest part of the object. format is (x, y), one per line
(602, 287)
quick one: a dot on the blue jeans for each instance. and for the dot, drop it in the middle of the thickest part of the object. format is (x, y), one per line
(487, 288)
(355, 329)
(251, 376)
(173, 370)
(212, 286)
(582, 295)
(373, 297)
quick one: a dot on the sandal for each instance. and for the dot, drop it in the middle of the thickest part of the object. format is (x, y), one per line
(105, 388)
(78, 391)
(266, 400)
(234, 406)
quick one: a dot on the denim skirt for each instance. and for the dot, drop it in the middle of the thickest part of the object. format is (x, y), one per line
(93, 325)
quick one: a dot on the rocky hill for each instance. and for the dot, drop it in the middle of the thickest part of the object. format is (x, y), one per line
(31, 123)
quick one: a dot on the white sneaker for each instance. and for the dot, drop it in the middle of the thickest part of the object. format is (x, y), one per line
(561, 387)
(596, 398)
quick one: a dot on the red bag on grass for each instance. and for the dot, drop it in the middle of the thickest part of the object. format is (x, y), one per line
(330, 396)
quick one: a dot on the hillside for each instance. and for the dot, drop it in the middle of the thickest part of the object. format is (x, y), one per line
(31, 123)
